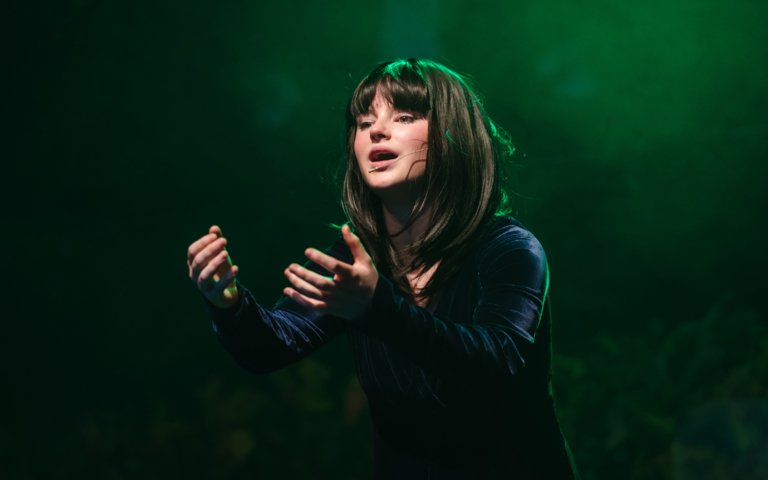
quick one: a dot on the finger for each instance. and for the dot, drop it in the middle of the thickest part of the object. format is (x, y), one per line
(354, 244)
(205, 256)
(226, 281)
(205, 280)
(303, 300)
(224, 267)
(198, 245)
(302, 286)
(215, 230)
(319, 281)
(329, 263)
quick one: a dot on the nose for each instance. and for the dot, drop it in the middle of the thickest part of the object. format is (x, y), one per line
(379, 130)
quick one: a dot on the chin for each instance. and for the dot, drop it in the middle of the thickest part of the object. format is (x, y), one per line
(395, 188)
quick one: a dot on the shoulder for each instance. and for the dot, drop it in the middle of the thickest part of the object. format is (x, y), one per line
(505, 245)
(505, 233)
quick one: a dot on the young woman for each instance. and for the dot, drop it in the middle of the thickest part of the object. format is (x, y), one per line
(442, 295)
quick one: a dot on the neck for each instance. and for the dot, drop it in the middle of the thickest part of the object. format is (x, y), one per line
(403, 229)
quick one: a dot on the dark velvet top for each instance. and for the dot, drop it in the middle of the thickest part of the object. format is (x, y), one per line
(458, 390)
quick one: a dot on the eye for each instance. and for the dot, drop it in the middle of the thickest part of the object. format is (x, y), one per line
(405, 118)
(363, 124)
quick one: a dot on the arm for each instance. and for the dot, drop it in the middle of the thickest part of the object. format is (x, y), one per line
(263, 340)
(512, 280)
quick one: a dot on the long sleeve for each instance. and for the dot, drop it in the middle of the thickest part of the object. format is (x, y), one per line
(264, 340)
(512, 283)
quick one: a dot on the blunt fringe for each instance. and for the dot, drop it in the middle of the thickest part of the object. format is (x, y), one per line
(464, 174)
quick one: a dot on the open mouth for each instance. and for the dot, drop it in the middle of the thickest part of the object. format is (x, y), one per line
(382, 155)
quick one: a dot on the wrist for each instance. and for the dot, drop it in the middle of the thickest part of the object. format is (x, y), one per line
(229, 299)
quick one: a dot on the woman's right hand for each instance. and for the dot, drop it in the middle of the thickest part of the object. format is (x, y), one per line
(211, 269)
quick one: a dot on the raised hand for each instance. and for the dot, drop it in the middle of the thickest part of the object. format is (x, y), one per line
(211, 269)
(346, 292)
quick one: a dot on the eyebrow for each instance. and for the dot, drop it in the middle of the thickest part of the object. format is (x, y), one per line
(392, 107)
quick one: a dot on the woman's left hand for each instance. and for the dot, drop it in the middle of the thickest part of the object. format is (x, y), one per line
(347, 293)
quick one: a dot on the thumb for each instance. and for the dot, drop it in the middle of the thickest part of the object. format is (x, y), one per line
(215, 230)
(354, 244)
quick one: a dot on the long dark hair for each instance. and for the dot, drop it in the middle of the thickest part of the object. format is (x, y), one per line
(463, 180)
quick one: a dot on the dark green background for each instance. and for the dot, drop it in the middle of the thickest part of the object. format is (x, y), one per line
(132, 126)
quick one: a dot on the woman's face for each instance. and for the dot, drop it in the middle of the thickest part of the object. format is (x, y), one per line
(391, 149)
